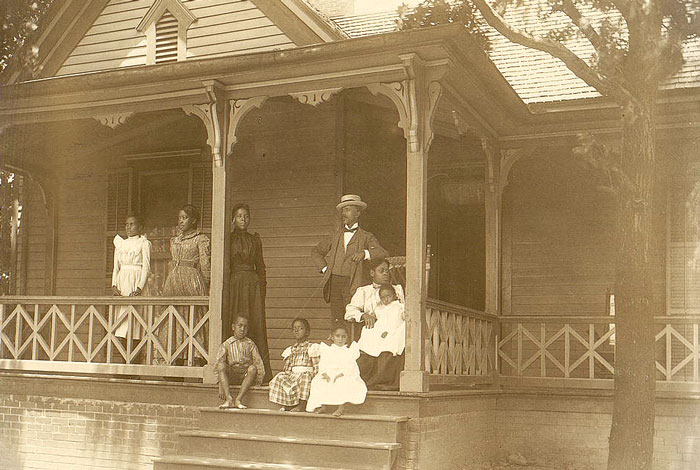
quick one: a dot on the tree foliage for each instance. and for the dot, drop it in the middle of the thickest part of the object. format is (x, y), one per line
(435, 12)
(20, 21)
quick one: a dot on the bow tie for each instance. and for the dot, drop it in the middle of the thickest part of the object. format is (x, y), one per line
(351, 230)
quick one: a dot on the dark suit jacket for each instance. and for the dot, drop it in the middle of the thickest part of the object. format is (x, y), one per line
(324, 255)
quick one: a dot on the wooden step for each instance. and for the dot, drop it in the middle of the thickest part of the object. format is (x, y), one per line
(359, 428)
(291, 450)
(186, 462)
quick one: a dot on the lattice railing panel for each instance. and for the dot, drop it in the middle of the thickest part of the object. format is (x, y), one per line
(84, 330)
(584, 347)
(459, 341)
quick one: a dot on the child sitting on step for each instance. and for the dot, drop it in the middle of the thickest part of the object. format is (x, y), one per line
(290, 388)
(338, 380)
(238, 362)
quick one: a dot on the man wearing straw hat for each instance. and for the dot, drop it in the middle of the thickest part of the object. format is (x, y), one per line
(342, 257)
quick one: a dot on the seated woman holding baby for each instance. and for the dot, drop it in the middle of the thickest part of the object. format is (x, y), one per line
(383, 338)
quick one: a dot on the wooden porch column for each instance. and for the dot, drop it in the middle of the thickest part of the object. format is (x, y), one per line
(416, 99)
(214, 116)
(414, 377)
(493, 226)
(220, 228)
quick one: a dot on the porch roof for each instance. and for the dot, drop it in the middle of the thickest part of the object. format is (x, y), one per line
(536, 76)
(474, 85)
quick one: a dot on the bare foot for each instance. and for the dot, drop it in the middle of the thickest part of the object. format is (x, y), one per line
(339, 411)
(227, 404)
(298, 409)
(323, 409)
(240, 405)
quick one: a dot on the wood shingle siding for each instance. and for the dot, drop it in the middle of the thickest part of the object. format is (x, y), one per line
(560, 239)
(37, 225)
(223, 27)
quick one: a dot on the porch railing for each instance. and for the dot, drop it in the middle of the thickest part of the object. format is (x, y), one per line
(78, 334)
(580, 350)
(460, 342)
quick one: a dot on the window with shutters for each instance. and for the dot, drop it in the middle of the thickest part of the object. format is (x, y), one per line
(683, 255)
(165, 26)
(157, 186)
(119, 190)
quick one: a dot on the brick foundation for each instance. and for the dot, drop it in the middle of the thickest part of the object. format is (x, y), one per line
(571, 430)
(68, 423)
(41, 432)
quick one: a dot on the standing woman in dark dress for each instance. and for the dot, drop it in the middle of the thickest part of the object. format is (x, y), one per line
(248, 283)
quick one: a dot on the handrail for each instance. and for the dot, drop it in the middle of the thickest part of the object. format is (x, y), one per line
(603, 319)
(459, 309)
(103, 299)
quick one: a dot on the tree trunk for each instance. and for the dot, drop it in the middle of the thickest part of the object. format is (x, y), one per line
(632, 432)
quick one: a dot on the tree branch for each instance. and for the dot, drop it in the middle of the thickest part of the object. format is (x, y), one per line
(574, 63)
(623, 6)
(583, 24)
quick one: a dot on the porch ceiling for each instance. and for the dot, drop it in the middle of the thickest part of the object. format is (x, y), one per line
(473, 86)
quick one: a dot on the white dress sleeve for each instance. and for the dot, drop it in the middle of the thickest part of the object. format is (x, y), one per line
(287, 352)
(145, 262)
(399, 293)
(355, 309)
(117, 241)
(354, 350)
(314, 350)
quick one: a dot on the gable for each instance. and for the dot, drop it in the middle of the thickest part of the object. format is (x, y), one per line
(118, 37)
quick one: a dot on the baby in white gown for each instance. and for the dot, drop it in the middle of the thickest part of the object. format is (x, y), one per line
(389, 331)
(338, 379)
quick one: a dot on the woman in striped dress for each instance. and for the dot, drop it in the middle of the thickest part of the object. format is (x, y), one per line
(290, 388)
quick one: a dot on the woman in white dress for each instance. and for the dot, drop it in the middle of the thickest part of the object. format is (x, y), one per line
(338, 379)
(381, 359)
(132, 263)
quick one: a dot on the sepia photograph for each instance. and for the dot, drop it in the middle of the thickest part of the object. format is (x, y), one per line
(350, 235)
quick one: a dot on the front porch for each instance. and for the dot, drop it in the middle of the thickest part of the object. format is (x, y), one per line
(289, 148)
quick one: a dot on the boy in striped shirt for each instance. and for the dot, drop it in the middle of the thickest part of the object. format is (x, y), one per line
(238, 362)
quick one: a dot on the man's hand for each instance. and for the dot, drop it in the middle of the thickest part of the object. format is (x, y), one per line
(357, 257)
(135, 293)
(240, 367)
(369, 318)
(325, 377)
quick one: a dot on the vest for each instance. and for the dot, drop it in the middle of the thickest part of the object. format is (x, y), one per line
(342, 264)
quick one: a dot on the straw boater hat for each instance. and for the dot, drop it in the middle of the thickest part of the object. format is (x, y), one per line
(351, 200)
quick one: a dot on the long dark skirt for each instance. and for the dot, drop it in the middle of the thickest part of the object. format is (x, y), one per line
(381, 373)
(247, 299)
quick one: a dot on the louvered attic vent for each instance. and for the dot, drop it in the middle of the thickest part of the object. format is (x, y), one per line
(166, 38)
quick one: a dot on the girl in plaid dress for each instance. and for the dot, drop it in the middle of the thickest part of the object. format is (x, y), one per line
(290, 388)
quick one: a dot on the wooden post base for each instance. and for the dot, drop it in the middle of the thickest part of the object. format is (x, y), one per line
(413, 381)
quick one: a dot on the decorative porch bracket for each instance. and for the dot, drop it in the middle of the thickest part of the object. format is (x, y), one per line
(315, 97)
(237, 111)
(416, 99)
(213, 116)
(113, 120)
